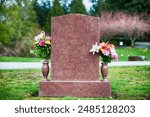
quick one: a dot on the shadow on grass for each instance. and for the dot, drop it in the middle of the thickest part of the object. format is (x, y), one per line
(34, 94)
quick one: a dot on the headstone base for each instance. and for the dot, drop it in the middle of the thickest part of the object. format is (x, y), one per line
(75, 88)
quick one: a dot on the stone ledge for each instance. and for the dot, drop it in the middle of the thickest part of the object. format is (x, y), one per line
(75, 88)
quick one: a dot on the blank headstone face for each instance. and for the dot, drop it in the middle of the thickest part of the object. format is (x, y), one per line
(72, 37)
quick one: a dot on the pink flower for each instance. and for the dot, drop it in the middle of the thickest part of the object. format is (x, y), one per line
(42, 43)
(106, 53)
(115, 56)
(48, 37)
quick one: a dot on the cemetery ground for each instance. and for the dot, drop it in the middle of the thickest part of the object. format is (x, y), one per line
(127, 83)
(123, 54)
(130, 82)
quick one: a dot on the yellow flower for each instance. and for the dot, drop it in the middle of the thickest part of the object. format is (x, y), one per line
(48, 42)
(35, 43)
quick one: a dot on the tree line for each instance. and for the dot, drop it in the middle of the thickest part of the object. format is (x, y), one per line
(20, 20)
(61, 7)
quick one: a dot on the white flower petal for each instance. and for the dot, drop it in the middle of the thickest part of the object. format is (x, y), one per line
(95, 48)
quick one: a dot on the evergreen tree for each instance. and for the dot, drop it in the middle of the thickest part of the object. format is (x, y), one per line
(117, 5)
(139, 6)
(56, 10)
(98, 7)
(77, 6)
(136, 6)
(130, 6)
(65, 5)
(42, 9)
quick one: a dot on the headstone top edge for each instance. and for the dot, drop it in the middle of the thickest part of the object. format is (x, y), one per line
(74, 14)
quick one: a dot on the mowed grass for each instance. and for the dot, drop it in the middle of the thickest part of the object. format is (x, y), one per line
(123, 54)
(18, 59)
(126, 82)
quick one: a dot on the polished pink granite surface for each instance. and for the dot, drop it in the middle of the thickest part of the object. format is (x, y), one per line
(78, 89)
(72, 38)
(74, 70)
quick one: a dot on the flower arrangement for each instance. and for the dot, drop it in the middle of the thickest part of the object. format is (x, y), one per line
(42, 45)
(106, 51)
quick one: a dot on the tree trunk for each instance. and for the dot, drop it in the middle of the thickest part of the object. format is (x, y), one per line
(132, 41)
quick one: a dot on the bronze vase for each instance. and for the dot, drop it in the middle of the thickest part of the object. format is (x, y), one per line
(104, 71)
(45, 69)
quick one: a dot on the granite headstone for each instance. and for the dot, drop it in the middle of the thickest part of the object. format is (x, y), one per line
(74, 70)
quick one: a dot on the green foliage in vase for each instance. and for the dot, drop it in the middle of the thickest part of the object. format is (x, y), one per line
(105, 59)
(43, 52)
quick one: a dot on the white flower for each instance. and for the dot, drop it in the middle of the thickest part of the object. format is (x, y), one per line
(43, 33)
(95, 48)
(36, 38)
(113, 51)
(40, 36)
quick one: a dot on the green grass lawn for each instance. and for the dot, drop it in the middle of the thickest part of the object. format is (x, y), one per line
(18, 59)
(126, 82)
(123, 54)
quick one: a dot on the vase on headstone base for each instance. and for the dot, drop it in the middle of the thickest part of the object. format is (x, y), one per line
(45, 69)
(104, 71)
